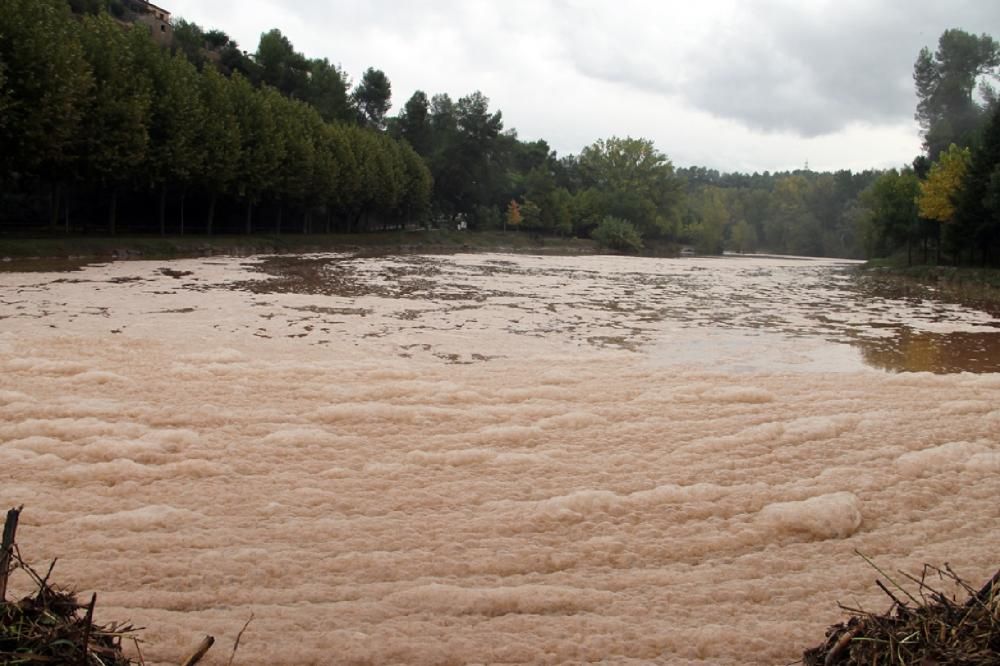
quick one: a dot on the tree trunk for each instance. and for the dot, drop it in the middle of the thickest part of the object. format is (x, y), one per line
(209, 223)
(54, 200)
(249, 221)
(329, 215)
(7, 545)
(66, 214)
(162, 210)
(113, 213)
(305, 223)
(280, 213)
(183, 196)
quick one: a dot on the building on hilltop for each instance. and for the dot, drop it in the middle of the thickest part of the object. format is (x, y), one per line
(157, 19)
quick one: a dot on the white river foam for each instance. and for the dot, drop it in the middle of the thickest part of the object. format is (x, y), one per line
(518, 460)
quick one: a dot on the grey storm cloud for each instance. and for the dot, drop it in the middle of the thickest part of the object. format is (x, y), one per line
(809, 67)
(778, 66)
(735, 84)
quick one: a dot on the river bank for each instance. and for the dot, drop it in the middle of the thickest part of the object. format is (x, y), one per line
(974, 287)
(67, 252)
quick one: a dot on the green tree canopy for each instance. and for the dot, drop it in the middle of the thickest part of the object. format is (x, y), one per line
(119, 116)
(47, 86)
(707, 222)
(175, 152)
(327, 91)
(262, 146)
(281, 66)
(637, 181)
(892, 205)
(946, 81)
(373, 97)
(415, 123)
(219, 137)
(618, 234)
(977, 216)
(466, 158)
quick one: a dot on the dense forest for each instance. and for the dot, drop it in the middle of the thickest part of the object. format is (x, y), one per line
(106, 129)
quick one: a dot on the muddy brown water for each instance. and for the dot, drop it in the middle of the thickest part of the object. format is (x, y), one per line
(493, 458)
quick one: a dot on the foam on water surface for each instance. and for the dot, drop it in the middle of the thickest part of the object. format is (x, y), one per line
(480, 459)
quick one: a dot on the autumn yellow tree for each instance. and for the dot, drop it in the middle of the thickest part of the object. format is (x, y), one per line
(937, 193)
(514, 217)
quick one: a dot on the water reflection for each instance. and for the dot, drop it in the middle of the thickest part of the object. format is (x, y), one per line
(933, 352)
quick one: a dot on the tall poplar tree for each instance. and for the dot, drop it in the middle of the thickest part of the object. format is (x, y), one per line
(46, 85)
(117, 127)
(219, 137)
(176, 150)
(261, 145)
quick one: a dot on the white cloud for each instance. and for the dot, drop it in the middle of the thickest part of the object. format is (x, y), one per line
(726, 84)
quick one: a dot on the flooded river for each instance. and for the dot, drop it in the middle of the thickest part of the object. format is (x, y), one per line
(493, 458)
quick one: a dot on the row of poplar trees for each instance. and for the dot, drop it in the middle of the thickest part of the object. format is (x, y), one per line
(101, 130)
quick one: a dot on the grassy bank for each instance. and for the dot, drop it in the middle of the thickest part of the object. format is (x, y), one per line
(23, 252)
(977, 287)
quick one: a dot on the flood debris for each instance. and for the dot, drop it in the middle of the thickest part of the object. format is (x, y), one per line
(926, 627)
(50, 626)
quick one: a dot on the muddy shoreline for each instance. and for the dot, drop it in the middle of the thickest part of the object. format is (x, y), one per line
(977, 288)
(32, 255)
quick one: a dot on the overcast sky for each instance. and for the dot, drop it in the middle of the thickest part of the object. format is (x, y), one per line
(733, 85)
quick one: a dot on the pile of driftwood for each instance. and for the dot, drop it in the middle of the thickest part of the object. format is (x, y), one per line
(922, 628)
(51, 627)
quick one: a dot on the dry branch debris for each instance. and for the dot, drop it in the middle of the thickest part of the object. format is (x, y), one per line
(48, 626)
(199, 651)
(928, 628)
